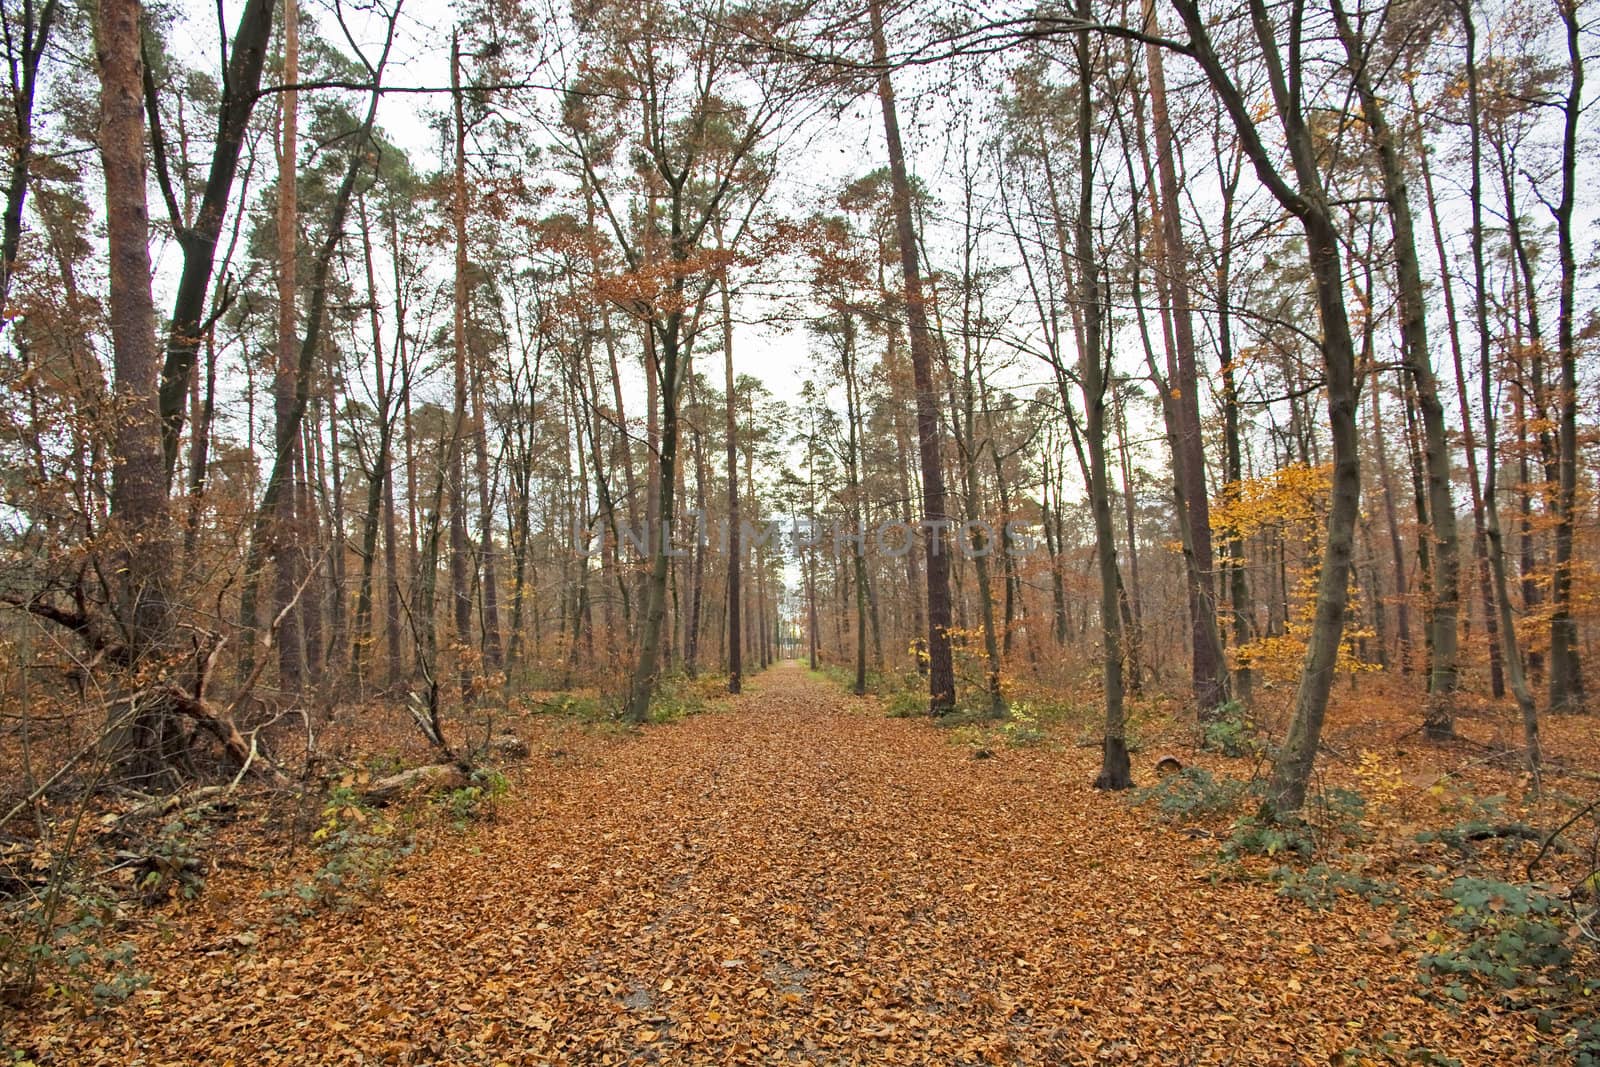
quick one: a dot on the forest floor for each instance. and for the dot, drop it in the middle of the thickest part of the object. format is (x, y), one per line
(795, 878)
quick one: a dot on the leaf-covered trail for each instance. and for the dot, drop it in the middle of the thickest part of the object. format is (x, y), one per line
(795, 879)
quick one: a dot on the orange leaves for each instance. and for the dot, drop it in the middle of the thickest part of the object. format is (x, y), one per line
(789, 880)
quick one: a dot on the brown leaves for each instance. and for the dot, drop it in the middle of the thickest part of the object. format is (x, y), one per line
(787, 881)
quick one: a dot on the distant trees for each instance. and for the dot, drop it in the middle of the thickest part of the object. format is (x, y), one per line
(465, 421)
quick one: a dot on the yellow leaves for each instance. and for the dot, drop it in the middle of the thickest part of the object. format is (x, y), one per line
(1287, 498)
(1381, 781)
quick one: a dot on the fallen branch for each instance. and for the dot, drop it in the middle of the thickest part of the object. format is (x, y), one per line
(436, 777)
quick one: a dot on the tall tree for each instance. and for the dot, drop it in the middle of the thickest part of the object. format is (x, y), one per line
(935, 517)
(1566, 673)
(286, 543)
(27, 33)
(138, 482)
(1304, 196)
(1445, 588)
(1093, 379)
(242, 63)
(1209, 671)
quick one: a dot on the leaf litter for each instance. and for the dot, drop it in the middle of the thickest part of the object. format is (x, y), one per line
(794, 879)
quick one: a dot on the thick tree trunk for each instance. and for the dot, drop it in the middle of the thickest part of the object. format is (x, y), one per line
(646, 671)
(138, 480)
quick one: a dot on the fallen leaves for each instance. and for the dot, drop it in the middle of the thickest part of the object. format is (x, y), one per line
(792, 880)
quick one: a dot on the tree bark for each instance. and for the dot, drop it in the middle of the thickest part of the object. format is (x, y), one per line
(1491, 511)
(461, 564)
(941, 666)
(735, 550)
(1443, 622)
(26, 55)
(138, 480)
(285, 552)
(1305, 199)
(241, 81)
(1209, 672)
(1566, 674)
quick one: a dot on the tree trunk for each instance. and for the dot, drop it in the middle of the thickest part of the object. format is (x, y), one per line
(493, 649)
(1469, 444)
(461, 565)
(1493, 540)
(286, 555)
(1209, 672)
(1306, 199)
(138, 740)
(26, 56)
(735, 550)
(1438, 721)
(941, 666)
(198, 242)
(1566, 674)
(647, 669)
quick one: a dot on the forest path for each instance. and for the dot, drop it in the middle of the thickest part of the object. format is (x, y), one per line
(791, 879)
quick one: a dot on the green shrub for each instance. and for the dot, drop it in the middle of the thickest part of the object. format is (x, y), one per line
(65, 941)
(1500, 934)
(1230, 732)
(584, 708)
(906, 704)
(1465, 835)
(479, 798)
(1023, 733)
(1192, 791)
(1265, 836)
(676, 699)
(357, 846)
(1319, 886)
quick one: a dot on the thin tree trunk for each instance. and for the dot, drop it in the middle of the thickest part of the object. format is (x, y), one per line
(198, 241)
(1491, 623)
(1209, 672)
(1494, 541)
(1307, 200)
(735, 550)
(1566, 674)
(1233, 459)
(377, 475)
(26, 55)
(460, 550)
(286, 555)
(941, 667)
(493, 648)
(1444, 613)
